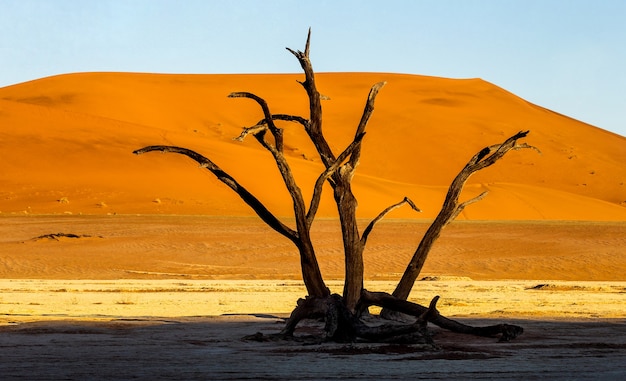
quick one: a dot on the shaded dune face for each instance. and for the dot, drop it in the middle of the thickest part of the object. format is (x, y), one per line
(67, 143)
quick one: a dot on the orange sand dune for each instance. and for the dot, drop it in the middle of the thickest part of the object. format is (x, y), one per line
(66, 144)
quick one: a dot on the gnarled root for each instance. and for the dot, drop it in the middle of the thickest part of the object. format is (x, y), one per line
(344, 326)
(507, 332)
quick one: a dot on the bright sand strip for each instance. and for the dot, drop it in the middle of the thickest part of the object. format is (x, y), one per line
(35, 300)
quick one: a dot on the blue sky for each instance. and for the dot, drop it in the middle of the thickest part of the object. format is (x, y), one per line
(566, 55)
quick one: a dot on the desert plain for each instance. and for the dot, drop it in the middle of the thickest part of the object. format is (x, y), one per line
(116, 266)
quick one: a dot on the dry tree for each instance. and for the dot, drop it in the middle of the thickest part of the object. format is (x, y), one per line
(343, 314)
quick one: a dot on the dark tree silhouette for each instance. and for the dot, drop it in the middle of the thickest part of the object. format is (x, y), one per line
(343, 313)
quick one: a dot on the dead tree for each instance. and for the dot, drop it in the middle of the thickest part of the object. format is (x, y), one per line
(343, 313)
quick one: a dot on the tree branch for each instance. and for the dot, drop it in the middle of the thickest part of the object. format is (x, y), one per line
(277, 153)
(276, 132)
(462, 206)
(315, 105)
(382, 214)
(308, 44)
(254, 130)
(292, 118)
(227, 179)
(262, 126)
(489, 155)
(450, 208)
(367, 113)
(319, 183)
(390, 302)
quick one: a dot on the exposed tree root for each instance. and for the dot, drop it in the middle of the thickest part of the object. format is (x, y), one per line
(343, 326)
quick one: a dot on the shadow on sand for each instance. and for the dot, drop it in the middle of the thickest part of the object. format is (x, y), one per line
(201, 348)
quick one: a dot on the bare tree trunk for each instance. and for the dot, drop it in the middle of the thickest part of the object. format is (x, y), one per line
(341, 179)
(311, 274)
(353, 249)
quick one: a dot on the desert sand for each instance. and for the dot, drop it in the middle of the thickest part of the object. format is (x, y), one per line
(243, 248)
(66, 139)
(160, 270)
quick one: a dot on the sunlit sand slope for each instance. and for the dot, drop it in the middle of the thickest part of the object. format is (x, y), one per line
(66, 144)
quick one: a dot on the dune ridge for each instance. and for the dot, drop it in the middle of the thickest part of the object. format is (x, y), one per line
(67, 143)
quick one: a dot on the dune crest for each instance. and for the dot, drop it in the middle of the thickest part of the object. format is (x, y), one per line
(67, 143)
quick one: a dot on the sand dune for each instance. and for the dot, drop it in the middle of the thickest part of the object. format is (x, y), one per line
(67, 143)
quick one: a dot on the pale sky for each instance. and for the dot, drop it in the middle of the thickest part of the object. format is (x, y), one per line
(566, 55)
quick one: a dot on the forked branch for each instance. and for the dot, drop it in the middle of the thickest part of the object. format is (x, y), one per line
(451, 207)
(319, 183)
(276, 132)
(277, 153)
(262, 125)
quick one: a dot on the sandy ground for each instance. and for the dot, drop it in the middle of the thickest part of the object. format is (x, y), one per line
(200, 247)
(193, 330)
(211, 348)
(170, 297)
(29, 300)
